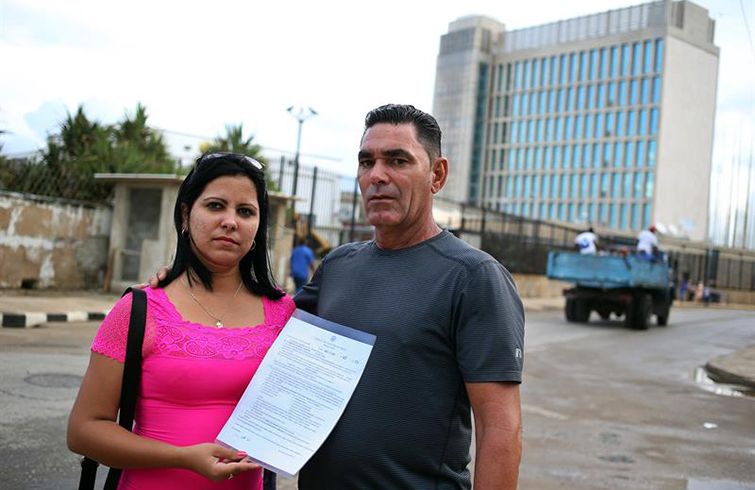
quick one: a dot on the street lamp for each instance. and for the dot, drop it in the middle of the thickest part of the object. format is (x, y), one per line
(301, 114)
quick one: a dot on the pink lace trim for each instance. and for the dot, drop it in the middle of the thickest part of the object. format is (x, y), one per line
(168, 334)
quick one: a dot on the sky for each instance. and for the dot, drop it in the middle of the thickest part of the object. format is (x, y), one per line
(199, 66)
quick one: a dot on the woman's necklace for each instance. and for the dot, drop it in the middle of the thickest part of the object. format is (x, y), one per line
(218, 319)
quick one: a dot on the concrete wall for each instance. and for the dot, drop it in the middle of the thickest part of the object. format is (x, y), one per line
(682, 186)
(58, 244)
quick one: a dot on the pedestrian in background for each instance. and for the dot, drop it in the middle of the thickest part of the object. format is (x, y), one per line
(587, 242)
(208, 326)
(647, 244)
(302, 263)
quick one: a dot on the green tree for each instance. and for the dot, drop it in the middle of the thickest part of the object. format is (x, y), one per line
(84, 147)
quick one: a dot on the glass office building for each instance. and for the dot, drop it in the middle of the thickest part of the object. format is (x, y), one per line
(605, 119)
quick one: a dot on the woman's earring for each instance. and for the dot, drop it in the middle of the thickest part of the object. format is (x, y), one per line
(254, 244)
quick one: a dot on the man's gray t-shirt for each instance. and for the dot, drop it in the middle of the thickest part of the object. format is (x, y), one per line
(444, 314)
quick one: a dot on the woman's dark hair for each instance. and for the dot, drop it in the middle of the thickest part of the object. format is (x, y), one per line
(255, 265)
(428, 130)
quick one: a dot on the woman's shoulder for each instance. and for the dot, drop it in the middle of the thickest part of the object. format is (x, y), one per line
(281, 309)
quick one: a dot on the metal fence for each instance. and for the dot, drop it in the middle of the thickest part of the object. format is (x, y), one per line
(32, 176)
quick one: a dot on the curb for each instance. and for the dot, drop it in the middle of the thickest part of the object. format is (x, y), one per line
(29, 320)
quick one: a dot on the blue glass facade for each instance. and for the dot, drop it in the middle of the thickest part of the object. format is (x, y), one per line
(577, 133)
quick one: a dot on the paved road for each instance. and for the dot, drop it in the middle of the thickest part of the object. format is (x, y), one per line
(604, 407)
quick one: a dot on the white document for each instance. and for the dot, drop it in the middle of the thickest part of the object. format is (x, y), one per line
(298, 393)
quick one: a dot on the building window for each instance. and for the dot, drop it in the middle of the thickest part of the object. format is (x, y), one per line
(641, 153)
(577, 156)
(658, 55)
(584, 187)
(573, 67)
(631, 123)
(656, 89)
(629, 154)
(556, 157)
(645, 91)
(593, 64)
(605, 185)
(653, 121)
(622, 95)
(633, 92)
(651, 153)
(601, 96)
(571, 103)
(543, 101)
(627, 185)
(638, 185)
(568, 131)
(611, 93)
(588, 126)
(603, 213)
(646, 215)
(649, 185)
(578, 127)
(596, 155)
(636, 61)
(614, 220)
(518, 75)
(595, 186)
(563, 67)
(609, 124)
(590, 96)
(617, 154)
(642, 121)
(614, 62)
(562, 100)
(563, 186)
(624, 210)
(598, 125)
(583, 65)
(616, 193)
(606, 153)
(526, 74)
(648, 57)
(625, 59)
(604, 63)
(553, 70)
(552, 99)
(554, 186)
(620, 124)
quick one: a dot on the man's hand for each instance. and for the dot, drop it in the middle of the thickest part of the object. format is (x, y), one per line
(161, 274)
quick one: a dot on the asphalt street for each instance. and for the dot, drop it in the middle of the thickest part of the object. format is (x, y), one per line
(604, 407)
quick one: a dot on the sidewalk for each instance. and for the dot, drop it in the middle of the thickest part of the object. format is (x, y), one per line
(30, 308)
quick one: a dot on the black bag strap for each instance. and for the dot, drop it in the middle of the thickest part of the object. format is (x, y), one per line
(132, 372)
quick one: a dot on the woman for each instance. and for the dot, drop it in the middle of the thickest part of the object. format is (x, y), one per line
(208, 326)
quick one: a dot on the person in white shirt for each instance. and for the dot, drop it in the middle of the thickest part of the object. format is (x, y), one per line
(647, 243)
(587, 242)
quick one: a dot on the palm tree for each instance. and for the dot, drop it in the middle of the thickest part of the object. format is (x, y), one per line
(234, 141)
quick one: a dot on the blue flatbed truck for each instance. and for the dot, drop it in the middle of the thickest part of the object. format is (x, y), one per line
(623, 285)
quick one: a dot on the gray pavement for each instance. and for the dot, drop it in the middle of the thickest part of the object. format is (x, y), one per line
(44, 306)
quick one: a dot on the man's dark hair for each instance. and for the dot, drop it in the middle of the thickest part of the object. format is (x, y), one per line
(255, 265)
(428, 131)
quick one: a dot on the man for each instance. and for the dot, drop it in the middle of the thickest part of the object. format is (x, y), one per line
(647, 243)
(449, 327)
(587, 242)
(302, 262)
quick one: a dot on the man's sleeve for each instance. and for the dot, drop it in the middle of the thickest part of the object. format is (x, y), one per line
(489, 330)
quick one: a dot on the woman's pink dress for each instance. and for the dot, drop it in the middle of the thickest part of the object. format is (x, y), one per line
(192, 377)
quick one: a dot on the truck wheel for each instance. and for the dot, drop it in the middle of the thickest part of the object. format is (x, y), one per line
(581, 310)
(662, 318)
(569, 310)
(643, 306)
